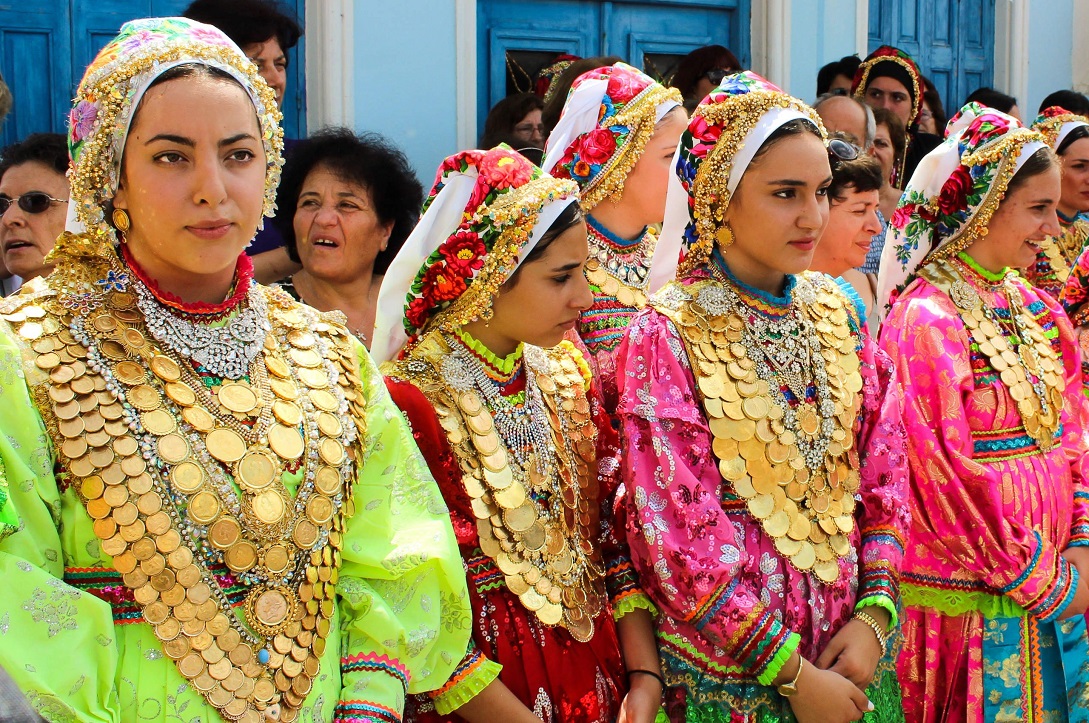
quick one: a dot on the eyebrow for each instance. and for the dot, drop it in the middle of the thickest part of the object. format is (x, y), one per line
(567, 267)
(795, 183)
(190, 143)
(340, 194)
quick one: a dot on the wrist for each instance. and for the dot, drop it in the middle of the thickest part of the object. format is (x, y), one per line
(790, 687)
(880, 631)
(641, 678)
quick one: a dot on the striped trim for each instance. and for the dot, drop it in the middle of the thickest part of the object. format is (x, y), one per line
(371, 663)
(483, 573)
(358, 711)
(1079, 532)
(755, 648)
(473, 661)
(999, 445)
(109, 586)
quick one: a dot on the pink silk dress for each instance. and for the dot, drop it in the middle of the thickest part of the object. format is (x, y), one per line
(732, 607)
(983, 579)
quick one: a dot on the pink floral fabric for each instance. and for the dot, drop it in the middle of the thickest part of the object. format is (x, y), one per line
(990, 512)
(729, 600)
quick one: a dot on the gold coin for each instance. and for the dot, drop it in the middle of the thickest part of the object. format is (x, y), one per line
(237, 397)
(777, 524)
(495, 462)
(331, 451)
(165, 368)
(277, 559)
(47, 361)
(327, 481)
(182, 394)
(143, 397)
(827, 571)
(314, 378)
(113, 546)
(284, 441)
(324, 400)
(158, 422)
(480, 423)
(499, 480)
(203, 507)
(520, 518)
(805, 557)
(134, 338)
(187, 477)
(168, 541)
(329, 425)
(61, 393)
(257, 469)
(92, 487)
(305, 535)
(511, 497)
(71, 428)
(105, 528)
(761, 506)
(129, 373)
(277, 367)
(177, 648)
(287, 413)
(469, 402)
(241, 557)
(787, 547)
(305, 357)
(268, 507)
(264, 690)
(319, 509)
(173, 448)
(191, 665)
(198, 418)
(224, 533)
(732, 468)
(62, 374)
(284, 389)
(68, 410)
(225, 444)
(271, 608)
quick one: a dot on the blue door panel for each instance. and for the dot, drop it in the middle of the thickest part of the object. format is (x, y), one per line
(35, 59)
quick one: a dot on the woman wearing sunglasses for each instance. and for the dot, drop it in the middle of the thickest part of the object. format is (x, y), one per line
(33, 202)
(764, 467)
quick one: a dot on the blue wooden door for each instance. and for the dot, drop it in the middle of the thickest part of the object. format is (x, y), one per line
(953, 42)
(515, 39)
(45, 45)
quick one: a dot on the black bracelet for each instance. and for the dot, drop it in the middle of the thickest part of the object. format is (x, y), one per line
(651, 673)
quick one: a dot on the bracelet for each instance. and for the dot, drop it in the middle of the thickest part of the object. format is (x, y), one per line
(868, 620)
(788, 689)
(651, 673)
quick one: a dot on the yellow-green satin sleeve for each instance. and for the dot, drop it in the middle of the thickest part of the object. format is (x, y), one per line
(402, 589)
(56, 642)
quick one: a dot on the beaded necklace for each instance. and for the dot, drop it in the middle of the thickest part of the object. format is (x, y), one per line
(619, 267)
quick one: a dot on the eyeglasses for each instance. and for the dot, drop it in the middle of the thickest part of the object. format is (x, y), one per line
(838, 91)
(528, 129)
(715, 75)
(33, 202)
(840, 150)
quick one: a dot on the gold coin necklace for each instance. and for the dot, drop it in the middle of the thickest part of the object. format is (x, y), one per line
(618, 267)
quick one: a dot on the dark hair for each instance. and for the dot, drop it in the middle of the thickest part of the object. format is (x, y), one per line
(49, 149)
(862, 173)
(846, 66)
(1076, 134)
(790, 128)
(247, 21)
(933, 99)
(190, 70)
(1072, 100)
(505, 115)
(992, 99)
(897, 131)
(550, 116)
(568, 217)
(1039, 162)
(694, 65)
(367, 160)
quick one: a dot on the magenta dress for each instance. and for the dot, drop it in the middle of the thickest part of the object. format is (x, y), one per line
(983, 580)
(732, 607)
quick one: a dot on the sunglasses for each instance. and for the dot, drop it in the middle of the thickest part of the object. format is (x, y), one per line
(840, 150)
(33, 202)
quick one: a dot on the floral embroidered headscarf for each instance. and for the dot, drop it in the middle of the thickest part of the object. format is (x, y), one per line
(486, 212)
(956, 189)
(726, 131)
(890, 62)
(1056, 123)
(111, 90)
(607, 120)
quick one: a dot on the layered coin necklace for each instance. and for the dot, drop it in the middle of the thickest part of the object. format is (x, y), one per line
(619, 268)
(535, 519)
(185, 470)
(785, 451)
(1016, 348)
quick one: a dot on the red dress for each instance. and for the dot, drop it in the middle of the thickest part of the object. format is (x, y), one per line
(560, 679)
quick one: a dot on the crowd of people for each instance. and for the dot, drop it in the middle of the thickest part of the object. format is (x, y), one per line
(685, 401)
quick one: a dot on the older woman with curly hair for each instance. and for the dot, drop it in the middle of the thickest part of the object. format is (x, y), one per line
(348, 202)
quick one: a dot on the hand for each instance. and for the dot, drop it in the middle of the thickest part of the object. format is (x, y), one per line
(827, 697)
(853, 652)
(641, 703)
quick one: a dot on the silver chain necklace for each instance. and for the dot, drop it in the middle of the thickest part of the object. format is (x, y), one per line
(225, 351)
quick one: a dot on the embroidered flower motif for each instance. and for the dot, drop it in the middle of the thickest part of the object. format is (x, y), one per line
(81, 120)
(597, 146)
(464, 252)
(504, 172)
(441, 283)
(114, 281)
(954, 194)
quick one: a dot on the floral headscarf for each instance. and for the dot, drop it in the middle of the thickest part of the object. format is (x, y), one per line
(956, 189)
(1056, 123)
(486, 212)
(111, 91)
(727, 129)
(890, 62)
(607, 120)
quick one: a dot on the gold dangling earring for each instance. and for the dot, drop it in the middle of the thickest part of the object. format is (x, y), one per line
(121, 221)
(724, 235)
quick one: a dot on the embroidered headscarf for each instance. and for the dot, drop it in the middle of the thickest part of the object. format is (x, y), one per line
(725, 133)
(953, 193)
(111, 90)
(1056, 124)
(606, 122)
(486, 212)
(548, 76)
(890, 62)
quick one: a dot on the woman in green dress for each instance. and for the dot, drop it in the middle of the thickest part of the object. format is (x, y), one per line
(215, 511)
